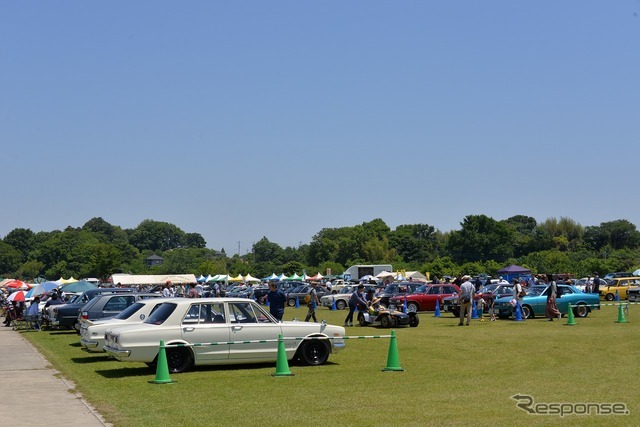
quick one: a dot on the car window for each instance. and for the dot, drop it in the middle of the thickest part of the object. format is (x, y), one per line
(119, 303)
(161, 314)
(212, 313)
(242, 312)
(129, 311)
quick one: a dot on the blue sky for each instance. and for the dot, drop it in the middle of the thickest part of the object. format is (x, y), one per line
(239, 120)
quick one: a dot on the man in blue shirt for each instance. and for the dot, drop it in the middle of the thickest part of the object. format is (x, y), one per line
(276, 299)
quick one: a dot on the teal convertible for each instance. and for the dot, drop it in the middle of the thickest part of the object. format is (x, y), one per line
(535, 302)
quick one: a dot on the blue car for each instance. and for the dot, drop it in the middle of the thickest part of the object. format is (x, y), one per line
(535, 302)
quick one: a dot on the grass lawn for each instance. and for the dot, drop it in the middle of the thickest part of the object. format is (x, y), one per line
(452, 376)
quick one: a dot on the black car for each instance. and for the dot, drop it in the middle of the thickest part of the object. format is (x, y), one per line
(66, 315)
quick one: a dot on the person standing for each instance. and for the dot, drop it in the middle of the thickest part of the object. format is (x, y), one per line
(595, 288)
(312, 304)
(33, 313)
(277, 300)
(355, 300)
(466, 294)
(518, 295)
(552, 308)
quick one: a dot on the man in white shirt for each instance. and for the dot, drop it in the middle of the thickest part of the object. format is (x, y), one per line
(465, 296)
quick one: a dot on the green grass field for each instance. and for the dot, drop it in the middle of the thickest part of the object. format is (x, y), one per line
(452, 376)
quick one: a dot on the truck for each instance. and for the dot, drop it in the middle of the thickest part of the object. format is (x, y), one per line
(356, 272)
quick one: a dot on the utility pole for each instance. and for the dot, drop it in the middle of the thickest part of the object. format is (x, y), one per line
(238, 248)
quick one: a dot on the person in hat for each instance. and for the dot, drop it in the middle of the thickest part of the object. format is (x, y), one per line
(277, 300)
(465, 296)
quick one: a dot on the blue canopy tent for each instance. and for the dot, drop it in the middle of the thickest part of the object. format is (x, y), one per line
(514, 272)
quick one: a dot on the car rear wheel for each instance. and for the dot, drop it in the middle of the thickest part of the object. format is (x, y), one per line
(315, 352)
(413, 320)
(385, 321)
(291, 302)
(341, 304)
(178, 359)
(609, 297)
(581, 310)
(412, 307)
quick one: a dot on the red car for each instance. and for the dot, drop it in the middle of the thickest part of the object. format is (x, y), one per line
(424, 298)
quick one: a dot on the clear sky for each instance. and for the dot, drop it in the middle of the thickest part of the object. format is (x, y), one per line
(244, 119)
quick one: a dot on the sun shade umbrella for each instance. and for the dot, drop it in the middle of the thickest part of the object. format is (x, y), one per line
(17, 296)
(17, 284)
(42, 288)
(80, 286)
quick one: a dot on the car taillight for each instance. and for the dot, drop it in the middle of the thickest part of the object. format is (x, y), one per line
(85, 315)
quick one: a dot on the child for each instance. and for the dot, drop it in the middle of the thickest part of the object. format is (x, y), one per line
(480, 305)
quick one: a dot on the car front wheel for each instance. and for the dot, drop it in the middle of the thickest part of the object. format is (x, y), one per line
(609, 297)
(385, 321)
(291, 302)
(412, 307)
(315, 352)
(527, 312)
(178, 359)
(341, 305)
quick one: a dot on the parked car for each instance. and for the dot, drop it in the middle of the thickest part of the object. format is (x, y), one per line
(92, 331)
(66, 315)
(535, 302)
(610, 276)
(186, 321)
(397, 289)
(387, 318)
(633, 294)
(108, 305)
(301, 291)
(342, 297)
(618, 285)
(425, 296)
(488, 293)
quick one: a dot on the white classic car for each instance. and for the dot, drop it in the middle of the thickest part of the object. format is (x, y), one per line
(220, 331)
(92, 331)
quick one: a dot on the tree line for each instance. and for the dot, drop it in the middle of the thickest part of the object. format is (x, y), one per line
(481, 245)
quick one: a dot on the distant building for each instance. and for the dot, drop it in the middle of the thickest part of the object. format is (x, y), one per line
(153, 259)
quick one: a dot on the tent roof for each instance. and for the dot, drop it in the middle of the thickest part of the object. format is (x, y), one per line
(514, 269)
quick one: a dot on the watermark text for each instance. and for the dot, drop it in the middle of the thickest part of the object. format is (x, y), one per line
(563, 409)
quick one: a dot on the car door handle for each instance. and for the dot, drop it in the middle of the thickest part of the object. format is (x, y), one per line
(236, 328)
(189, 329)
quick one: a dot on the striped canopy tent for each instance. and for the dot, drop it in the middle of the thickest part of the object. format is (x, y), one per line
(282, 277)
(315, 278)
(272, 277)
(294, 277)
(238, 278)
(63, 281)
(249, 278)
(201, 279)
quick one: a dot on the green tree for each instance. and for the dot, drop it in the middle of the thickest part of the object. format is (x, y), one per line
(195, 240)
(104, 260)
(10, 259)
(22, 239)
(157, 236)
(481, 238)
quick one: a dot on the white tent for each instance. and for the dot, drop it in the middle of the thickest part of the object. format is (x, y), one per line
(250, 278)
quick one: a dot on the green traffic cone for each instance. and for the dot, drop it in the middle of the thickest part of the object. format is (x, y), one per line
(571, 321)
(393, 360)
(621, 316)
(282, 365)
(162, 367)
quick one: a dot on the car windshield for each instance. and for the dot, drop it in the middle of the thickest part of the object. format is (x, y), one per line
(489, 289)
(391, 288)
(161, 314)
(346, 290)
(422, 289)
(535, 291)
(297, 289)
(129, 311)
